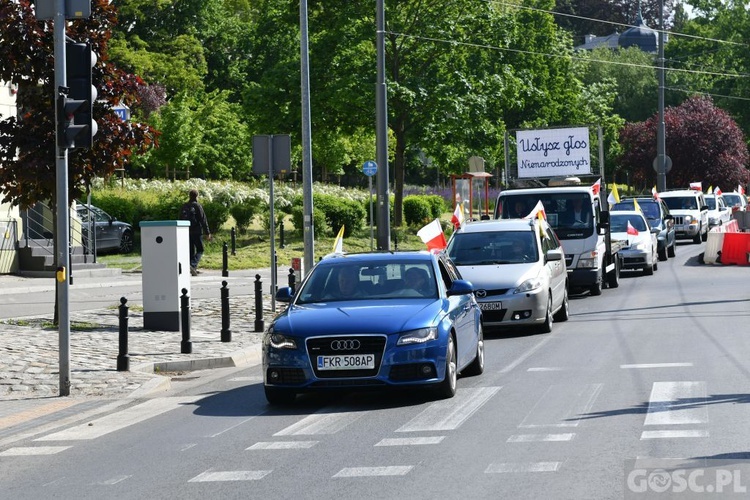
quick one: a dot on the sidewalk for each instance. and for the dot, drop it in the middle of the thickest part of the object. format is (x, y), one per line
(29, 350)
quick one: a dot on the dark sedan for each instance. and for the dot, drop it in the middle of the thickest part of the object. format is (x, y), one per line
(110, 235)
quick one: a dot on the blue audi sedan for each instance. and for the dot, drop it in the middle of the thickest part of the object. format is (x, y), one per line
(390, 319)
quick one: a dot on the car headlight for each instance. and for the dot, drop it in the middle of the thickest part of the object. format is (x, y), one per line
(529, 285)
(418, 336)
(279, 341)
(639, 246)
(689, 219)
(587, 263)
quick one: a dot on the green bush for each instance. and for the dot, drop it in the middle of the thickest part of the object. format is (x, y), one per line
(417, 210)
(319, 220)
(244, 212)
(340, 212)
(437, 205)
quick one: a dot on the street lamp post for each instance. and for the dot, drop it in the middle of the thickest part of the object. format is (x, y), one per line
(661, 171)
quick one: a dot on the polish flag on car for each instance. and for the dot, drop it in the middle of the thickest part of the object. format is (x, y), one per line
(632, 230)
(432, 236)
(696, 186)
(740, 189)
(654, 193)
(458, 216)
(596, 187)
(718, 191)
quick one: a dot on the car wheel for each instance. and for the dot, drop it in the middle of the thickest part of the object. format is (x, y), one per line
(126, 242)
(648, 270)
(671, 251)
(704, 237)
(663, 254)
(564, 312)
(596, 288)
(546, 327)
(280, 396)
(477, 366)
(447, 388)
(697, 237)
(613, 277)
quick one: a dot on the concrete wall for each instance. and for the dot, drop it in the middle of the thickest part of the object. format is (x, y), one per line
(10, 220)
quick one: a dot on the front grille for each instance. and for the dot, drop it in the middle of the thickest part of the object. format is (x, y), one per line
(678, 220)
(348, 383)
(289, 376)
(493, 316)
(367, 344)
(495, 292)
(634, 260)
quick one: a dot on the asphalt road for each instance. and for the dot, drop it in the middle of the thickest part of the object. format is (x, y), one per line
(655, 369)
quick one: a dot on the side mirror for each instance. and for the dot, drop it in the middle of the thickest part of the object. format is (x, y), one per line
(704, 207)
(285, 294)
(461, 287)
(553, 255)
(603, 222)
(655, 230)
(669, 217)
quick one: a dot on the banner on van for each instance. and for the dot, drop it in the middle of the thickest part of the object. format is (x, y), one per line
(553, 152)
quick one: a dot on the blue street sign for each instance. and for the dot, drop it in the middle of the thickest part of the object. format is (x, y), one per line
(122, 111)
(370, 168)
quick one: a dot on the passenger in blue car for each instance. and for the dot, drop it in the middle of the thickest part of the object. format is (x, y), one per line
(417, 280)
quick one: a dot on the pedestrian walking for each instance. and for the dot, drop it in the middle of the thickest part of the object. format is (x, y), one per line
(193, 212)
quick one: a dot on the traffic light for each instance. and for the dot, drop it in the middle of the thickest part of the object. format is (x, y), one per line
(79, 131)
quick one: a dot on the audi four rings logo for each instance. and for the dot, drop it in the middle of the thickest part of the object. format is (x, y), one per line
(345, 345)
(481, 293)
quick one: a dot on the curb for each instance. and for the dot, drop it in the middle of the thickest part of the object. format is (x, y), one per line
(160, 383)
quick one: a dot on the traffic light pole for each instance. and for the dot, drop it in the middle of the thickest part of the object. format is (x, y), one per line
(62, 233)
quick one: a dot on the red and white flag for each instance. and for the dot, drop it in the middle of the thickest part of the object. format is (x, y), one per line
(537, 211)
(718, 191)
(740, 189)
(432, 236)
(696, 186)
(458, 216)
(654, 193)
(632, 230)
(596, 187)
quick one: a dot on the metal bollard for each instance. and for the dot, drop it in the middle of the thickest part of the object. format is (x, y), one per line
(224, 261)
(258, 304)
(123, 358)
(281, 233)
(226, 333)
(292, 278)
(234, 241)
(186, 347)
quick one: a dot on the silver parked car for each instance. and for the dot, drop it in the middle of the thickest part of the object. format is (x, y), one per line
(517, 268)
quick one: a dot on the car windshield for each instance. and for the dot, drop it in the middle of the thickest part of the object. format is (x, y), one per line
(649, 208)
(619, 222)
(733, 200)
(681, 202)
(711, 202)
(369, 280)
(493, 247)
(569, 214)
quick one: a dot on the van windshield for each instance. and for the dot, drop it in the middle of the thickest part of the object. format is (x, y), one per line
(569, 214)
(681, 202)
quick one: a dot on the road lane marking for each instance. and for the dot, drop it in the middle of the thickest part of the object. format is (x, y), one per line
(393, 470)
(114, 480)
(562, 405)
(26, 451)
(677, 403)
(547, 369)
(449, 414)
(253, 378)
(188, 446)
(523, 467)
(538, 438)
(231, 427)
(323, 421)
(413, 441)
(282, 445)
(668, 434)
(230, 475)
(523, 357)
(657, 365)
(121, 419)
